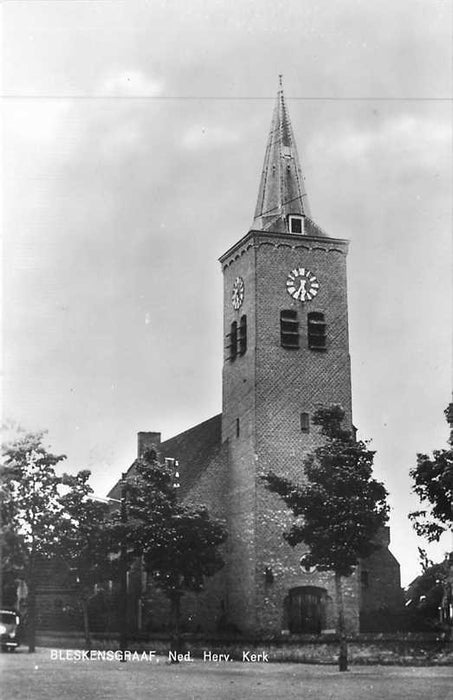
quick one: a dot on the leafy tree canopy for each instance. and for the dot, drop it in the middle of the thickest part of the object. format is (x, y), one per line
(86, 541)
(187, 553)
(30, 511)
(426, 593)
(339, 507)
(151, 501)
(429, 581)
(179, 542)
(85, 536)
(433, 484)
(30, 495)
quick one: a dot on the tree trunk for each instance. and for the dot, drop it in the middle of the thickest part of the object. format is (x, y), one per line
(31, 618)
(176, 645)
(86, 625)
(123, 572)
(343, 657)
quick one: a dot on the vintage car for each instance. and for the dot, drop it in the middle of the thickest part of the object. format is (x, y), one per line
(9, 630)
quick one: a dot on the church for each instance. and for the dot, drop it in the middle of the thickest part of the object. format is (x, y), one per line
(286, 353)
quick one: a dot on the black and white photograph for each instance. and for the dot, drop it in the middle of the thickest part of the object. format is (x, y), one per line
(227, 409)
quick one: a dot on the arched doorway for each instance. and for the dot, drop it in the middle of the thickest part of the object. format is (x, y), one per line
(307, 609)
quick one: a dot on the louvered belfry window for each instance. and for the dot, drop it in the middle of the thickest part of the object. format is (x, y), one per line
(316, 331)
(242, 339)
(232, 341)
(289, 329)
(237, 339)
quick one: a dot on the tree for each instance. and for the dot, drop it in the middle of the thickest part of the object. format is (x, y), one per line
(339, 507)
(179, 543)
(31, 510)
(186, 556)
(151, 500)
(426, 602)
(433, 484)
(85, 540)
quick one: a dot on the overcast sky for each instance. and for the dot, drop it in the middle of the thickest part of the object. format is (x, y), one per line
(134, 136)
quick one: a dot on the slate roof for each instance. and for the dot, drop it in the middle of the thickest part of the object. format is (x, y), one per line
(194, 450)
(282, 188)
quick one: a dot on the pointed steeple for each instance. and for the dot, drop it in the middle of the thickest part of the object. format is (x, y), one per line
(282, 191)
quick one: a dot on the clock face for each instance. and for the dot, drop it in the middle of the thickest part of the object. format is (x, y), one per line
(237, 295)
(301, 284)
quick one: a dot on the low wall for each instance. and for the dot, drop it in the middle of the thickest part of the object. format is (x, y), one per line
(365, 649)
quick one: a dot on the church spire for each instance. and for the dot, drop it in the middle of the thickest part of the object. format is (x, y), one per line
(282, 192)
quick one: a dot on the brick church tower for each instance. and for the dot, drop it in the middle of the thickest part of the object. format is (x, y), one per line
(286, 353)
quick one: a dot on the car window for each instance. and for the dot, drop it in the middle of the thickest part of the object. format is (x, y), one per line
(8, 618)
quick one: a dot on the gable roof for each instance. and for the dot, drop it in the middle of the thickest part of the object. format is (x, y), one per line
(194, 450)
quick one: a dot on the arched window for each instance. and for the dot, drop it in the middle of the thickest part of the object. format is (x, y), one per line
(289, 329)
(243, 335)
(316, 331)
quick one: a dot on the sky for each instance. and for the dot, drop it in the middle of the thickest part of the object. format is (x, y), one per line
(133, 139)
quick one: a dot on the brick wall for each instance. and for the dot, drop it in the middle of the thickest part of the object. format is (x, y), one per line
(380, 582)
(267, 389)
(239, 404)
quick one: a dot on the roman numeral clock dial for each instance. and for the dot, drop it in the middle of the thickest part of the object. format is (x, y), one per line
(301, 284)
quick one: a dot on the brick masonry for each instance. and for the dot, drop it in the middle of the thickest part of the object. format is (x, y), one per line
(266, 390)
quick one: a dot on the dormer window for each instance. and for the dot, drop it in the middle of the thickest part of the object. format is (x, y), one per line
(296, 223)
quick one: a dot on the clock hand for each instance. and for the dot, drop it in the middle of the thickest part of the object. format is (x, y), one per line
(302, 291)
